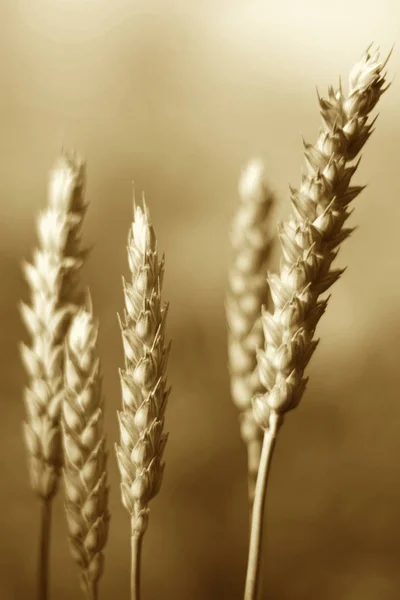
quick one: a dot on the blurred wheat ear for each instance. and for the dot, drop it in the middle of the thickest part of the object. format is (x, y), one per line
(309, 242)
(247, 292)
(85, 454)
(143, 382)
(53, 279)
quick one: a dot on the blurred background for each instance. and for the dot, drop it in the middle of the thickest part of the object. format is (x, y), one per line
(177, 96)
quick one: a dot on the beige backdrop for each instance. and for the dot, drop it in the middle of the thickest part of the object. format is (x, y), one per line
(177, 96)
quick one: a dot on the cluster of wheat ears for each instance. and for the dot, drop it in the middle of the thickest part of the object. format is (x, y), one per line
(271, 322)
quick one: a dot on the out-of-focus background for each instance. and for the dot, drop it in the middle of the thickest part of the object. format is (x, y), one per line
(177, 96)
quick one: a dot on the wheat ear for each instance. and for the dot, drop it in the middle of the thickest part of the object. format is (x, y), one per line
(53, 280)
(143, 382)
(85, 455)
(247, 291)
(309, 241)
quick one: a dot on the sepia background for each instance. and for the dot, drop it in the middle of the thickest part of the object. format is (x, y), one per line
(177, 96)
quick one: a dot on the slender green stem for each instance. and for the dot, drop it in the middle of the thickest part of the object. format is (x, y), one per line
(44, 550)
(136, 557)
(256, 532)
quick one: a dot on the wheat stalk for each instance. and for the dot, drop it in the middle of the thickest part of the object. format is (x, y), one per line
(53, 280)
(143, 382)
(248, 289)
(309, 241)
(85, 455)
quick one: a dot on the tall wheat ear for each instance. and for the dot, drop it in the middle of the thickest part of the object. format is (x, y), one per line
(248, 290)
(143, 382)
(85, 454)
(54, 283)
(309, 242)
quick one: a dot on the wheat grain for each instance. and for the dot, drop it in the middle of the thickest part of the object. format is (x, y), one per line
(311, 236)
(53, 282)
(309, 243)
(143, 382)
(53, 278)
(85, 455)
(248, 290)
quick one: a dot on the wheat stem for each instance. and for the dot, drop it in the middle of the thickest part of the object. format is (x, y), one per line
(93, 591)
(53, 279)
(257, 518)
(143, 382)
(253, 460)
(44, 550)
(309, 242)
(254, 448)
(136, 560)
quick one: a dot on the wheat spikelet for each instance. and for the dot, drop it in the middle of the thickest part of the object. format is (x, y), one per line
(310, 238)
(143, 382)
(248, 289)
(54, 285)
(309, 241)
(85, 455)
